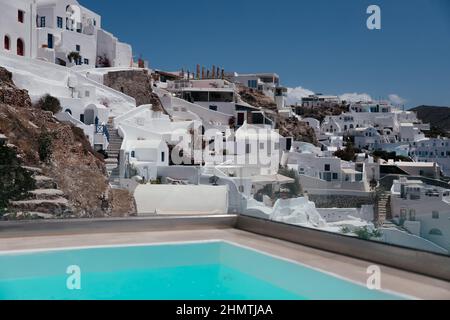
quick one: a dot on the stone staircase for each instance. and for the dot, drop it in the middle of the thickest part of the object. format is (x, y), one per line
(383, 208)
(113, 151)
(44, 202)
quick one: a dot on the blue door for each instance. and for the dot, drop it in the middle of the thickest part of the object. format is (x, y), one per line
(50, 41)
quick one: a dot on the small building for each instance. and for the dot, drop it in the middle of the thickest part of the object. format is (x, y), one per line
(319, 100)
(422, 209)
(367, 138)
(17, 26)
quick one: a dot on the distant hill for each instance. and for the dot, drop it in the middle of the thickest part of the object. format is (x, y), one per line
(437, 117)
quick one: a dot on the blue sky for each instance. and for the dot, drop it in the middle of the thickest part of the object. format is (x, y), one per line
(320, 45)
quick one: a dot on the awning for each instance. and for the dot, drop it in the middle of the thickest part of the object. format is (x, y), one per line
(275, 178)
(350, 171)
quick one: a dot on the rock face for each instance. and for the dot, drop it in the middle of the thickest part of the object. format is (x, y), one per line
(322, 112)
(256, 98)
(9, 93)
(74, 167)
(287, 127)
(134, 83)
(300, 131)
(437, 117)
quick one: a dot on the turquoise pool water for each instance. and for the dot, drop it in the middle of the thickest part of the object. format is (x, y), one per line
(193, 271)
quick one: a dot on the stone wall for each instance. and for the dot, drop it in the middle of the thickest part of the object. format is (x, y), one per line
(341, 201)
(134, 83)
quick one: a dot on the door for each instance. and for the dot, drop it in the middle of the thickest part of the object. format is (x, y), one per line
(241, 118)
(20, 47)
(50, 41)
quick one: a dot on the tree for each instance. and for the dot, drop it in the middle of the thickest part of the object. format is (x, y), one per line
(74, 57)
(49, 103)
(348, 153)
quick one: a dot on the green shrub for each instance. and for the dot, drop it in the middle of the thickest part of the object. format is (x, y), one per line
(366, 234)
(45, 146)
(15, 181)
(49, 103)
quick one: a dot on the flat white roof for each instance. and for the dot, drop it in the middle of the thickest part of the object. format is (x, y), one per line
(413, 164)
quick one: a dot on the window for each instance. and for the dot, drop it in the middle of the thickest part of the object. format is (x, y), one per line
(20, 16)
(42, 22)
(20, 47)
(327, 167)
(196, 96)
(213, 108)
(435, 232)
(435, 215)
(252, 84)
(403, 214)
(327, 176)
(335, 176)
(78, 47)
(86, 61)
(412, 215)
(7, 43)
(221, 96)
(248, 148)
(133, 154)
(59, 22)
(163, 156)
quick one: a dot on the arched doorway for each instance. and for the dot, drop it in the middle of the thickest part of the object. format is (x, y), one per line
(7, 43)
(89, 116)
(20, 47)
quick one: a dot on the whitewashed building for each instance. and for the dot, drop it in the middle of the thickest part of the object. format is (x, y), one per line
(17, 27)
(60, 31)
(319, 100)
(423, 210)
(432, 150)
(327, 174)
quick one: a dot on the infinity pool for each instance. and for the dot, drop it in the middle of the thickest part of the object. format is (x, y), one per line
(190, 271)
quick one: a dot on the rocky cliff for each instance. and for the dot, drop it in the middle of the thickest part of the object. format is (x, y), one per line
(73, 167)
(437, 117)
(287, 127)
(136, 84)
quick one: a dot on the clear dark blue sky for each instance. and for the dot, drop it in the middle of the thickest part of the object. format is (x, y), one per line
(321, 45)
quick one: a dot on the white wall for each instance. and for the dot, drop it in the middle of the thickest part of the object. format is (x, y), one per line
(175, 199)
(10, 26)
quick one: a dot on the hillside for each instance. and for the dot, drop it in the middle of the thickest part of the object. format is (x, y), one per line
(287, 127)
(437, 117)
(322, 112)
(72, 182)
